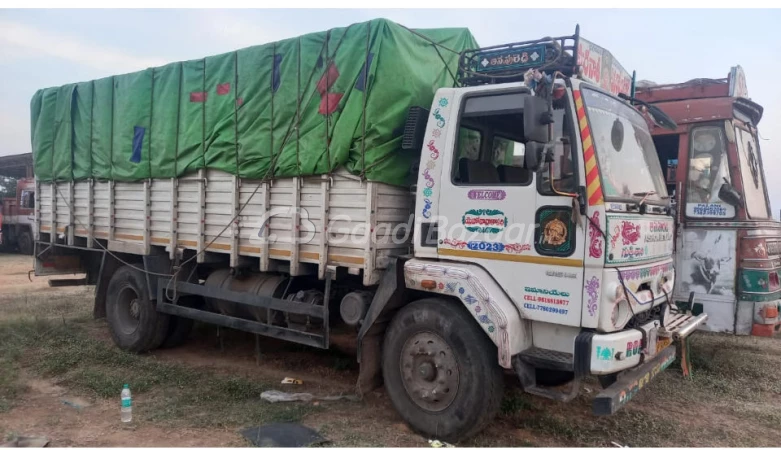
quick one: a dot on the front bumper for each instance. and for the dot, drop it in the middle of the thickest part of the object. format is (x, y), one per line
(642, 354)
(619, 393)
(623, 350)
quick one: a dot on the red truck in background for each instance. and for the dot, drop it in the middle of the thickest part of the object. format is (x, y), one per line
(17, 216)
(728, 246)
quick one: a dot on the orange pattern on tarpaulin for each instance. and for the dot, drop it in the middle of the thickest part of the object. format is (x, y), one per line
(593, 186)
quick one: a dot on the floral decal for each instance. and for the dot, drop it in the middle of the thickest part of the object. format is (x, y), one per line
(433, 149)
(595, 237)
(454, 243)
(426, 208)
(517, 248)
(429, 178)
(440, 119)
(628, 232)
(592, 288)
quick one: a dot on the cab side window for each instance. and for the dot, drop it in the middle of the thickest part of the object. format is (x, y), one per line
(490, 142)
(28, 199)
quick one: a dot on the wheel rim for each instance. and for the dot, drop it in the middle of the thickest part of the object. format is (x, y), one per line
(429, 371)
(128, 310)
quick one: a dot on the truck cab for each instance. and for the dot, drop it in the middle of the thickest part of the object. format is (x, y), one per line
(541, 206)
(728, 252)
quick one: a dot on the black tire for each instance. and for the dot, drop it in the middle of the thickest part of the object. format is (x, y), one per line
(26, 246)
(479, 378)
(179, 328)
(133, 320)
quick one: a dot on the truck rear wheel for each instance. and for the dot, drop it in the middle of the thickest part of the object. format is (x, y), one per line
(441, 370)
(133, 320)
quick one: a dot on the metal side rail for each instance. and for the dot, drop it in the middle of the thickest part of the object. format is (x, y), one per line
(164, 290)
(678, 326)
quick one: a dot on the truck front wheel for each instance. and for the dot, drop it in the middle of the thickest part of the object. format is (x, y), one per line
(133, 320)
(441, 370)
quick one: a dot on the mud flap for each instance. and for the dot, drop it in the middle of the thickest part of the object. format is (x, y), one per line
(388, 298)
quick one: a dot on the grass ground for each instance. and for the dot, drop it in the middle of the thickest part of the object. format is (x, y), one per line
(52, 352)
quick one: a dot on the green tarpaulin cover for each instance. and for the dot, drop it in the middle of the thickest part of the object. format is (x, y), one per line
(302, 106)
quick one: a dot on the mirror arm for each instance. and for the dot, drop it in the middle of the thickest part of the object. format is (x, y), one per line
(553, 187)
(582, 199)
(580, 195)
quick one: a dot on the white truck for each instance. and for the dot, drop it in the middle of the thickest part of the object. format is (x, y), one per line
(540, 243)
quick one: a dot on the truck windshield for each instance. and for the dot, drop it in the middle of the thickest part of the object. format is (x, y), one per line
(627, 158)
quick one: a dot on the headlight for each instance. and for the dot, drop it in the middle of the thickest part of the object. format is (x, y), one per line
(621, 313)
(620, 294)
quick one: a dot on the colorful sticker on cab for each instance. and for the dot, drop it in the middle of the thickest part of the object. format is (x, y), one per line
(554, 235)
(484, 220)
(636, 239)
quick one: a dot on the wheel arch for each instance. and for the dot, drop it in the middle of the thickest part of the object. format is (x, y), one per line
(477, 291)
(482, 296)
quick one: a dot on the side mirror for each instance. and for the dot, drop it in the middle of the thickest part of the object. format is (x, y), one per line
(536, 118)
(729, 195)
(532, 159)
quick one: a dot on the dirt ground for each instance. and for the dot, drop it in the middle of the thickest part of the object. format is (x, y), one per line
(60, 377)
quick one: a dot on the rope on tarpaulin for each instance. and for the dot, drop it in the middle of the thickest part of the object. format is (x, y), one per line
(270, 173)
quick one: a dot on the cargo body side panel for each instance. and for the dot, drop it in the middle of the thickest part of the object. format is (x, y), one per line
(306, 222)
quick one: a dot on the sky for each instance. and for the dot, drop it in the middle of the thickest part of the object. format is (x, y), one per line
(44, 48)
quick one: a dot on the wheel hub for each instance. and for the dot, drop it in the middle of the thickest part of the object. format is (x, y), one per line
(134, 308)
(429, 371)
(128, 309)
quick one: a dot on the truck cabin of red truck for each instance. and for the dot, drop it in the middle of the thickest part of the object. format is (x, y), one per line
(727, 243)
(17, 203)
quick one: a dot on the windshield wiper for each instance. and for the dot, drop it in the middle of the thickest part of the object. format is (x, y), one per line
(648, 193)
(645, 196)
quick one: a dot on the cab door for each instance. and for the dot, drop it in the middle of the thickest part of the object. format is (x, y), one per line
(497, 213)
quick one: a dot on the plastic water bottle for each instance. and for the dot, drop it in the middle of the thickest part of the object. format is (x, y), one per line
(127, 405)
